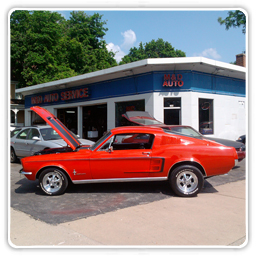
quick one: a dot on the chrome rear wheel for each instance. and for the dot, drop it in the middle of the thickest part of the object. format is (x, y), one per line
(186, 180)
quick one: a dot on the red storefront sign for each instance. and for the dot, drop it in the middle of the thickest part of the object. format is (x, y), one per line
(61, 96)
(74, 94)
(174, 80)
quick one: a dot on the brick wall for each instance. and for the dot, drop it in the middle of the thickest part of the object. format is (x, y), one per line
(241, 59)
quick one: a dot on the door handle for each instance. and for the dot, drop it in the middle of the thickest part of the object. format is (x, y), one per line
(146, 153)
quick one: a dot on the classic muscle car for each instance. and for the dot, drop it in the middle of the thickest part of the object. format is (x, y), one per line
(128, 154)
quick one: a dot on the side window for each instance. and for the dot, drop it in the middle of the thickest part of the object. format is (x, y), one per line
(107, 144)
(129, 141)
(33, 133)
(23, 134)
(133, 141)
(14, 132)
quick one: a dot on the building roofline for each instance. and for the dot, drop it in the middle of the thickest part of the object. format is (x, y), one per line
(134, 67)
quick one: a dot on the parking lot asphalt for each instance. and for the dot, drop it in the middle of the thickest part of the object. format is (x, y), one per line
(90, 204)
(81, 201)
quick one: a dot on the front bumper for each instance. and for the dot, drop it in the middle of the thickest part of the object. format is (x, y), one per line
(24, 173)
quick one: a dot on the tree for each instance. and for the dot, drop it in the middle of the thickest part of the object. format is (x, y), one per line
(86, 34)
(153, 49)
(35, 55)
(46, 47)
(234, 19)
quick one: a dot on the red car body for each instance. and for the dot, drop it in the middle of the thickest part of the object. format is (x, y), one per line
(117, 157)
(144, 118)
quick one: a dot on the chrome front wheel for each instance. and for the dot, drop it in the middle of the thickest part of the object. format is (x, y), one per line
(53, 181)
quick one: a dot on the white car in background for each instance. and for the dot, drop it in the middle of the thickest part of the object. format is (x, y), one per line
(26, 141)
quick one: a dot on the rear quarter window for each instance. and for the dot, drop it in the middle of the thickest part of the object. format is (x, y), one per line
(169, 140)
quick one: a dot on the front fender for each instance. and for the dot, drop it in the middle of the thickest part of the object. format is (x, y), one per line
(52, 165)
(32, 169)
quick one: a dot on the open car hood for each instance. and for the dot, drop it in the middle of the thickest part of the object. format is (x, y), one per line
(141, 118)
(58, 126)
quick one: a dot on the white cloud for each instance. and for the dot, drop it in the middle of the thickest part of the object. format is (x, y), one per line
(119, 54)
(129, 39)
(209, 53)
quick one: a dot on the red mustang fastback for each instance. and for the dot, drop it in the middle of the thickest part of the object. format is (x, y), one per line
(128, 154)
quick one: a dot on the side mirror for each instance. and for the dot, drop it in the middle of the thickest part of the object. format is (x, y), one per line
(110, 149)
(36, 138)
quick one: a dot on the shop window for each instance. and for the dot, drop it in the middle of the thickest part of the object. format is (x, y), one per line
(206, 116)
(36, 119)
(12, 117)
(122, 107)
(68, 116)
(94, 121)
(172, 111)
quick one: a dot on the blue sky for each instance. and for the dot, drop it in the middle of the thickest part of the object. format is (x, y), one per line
(197, 33)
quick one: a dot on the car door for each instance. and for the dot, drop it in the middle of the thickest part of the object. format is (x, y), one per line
(34, 141)
(20, 145)
(122, 157)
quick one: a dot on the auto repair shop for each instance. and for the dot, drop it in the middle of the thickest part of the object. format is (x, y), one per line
(206, 94)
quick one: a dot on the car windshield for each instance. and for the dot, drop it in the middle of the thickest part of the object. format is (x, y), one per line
(147, 121)
(188, 131)
(49, 134)
(100, 141)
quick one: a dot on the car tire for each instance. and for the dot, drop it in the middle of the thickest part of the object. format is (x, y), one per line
(53, 181)
(14, 158)
(186, 181)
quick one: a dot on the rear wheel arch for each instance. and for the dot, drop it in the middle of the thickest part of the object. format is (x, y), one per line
(12, 148)
(192, 163)
(13, 155)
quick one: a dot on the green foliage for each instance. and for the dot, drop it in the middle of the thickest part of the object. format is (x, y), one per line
(153, 49)
(234, 19)
(46, 47)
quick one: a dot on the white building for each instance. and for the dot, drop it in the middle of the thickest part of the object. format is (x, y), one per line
(208, 95)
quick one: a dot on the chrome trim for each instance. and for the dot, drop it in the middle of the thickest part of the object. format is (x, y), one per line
(120, 158)
(25, 173)
(119, 180)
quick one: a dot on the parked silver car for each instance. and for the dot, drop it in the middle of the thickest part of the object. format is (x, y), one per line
(26, 141)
